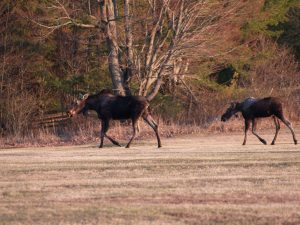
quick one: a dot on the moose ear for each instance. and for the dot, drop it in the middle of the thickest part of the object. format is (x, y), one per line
(85, 96)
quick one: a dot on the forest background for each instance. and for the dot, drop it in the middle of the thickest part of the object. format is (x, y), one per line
(189, 58)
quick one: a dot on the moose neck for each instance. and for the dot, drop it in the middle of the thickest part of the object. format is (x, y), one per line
(238, 107)
(91, 104)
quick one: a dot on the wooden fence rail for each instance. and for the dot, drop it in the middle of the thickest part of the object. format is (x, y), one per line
(52, 120)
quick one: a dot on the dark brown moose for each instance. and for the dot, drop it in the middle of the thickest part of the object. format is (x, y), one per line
(115, 107)
(252, 108)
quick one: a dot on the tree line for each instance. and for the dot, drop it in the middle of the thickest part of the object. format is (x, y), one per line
(187, 57)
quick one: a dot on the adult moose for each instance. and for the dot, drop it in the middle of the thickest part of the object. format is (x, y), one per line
(252, 108)
(109, 106)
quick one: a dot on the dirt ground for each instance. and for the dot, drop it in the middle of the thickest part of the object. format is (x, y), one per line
(204, 179)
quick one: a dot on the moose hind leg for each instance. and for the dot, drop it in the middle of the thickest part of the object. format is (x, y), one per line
(254, 132)
(138, 128)
(134, 121)
(277, 127)
(150, 121)
(289, 125)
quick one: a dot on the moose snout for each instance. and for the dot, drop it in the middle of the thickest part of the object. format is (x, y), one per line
(223, 119)
(69, 114)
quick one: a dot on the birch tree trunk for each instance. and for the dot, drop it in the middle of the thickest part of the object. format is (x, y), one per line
(108, 25)
(128, 72)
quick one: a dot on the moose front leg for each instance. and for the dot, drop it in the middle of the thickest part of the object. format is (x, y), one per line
(113, 140)
(104, 128)
(254, 132)
(247, 123)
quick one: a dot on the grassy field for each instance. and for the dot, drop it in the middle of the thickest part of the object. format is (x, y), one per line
(191, 180)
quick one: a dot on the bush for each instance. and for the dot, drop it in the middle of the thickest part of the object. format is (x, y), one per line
(18, 112)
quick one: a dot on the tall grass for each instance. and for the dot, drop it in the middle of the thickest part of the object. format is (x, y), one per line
(83, 130)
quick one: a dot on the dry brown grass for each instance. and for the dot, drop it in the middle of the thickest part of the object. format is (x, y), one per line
(86, 130)
(208, 179)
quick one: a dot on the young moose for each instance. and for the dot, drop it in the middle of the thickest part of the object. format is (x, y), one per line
(109, 106)
(252, 108)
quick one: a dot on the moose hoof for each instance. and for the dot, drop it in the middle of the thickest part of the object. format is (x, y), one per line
(296, 142)
(159, 146)
(127, 146)
(117, 144)
(263, 141)
(273, 143)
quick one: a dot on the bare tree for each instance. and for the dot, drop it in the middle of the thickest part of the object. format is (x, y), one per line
(162, 33)
(178, 32)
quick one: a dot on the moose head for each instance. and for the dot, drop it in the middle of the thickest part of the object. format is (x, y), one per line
(232, 110)
(78, 106)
